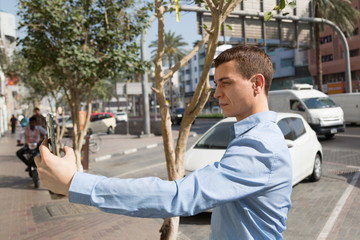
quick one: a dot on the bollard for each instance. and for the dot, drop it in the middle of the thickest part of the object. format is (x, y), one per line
(85, 153)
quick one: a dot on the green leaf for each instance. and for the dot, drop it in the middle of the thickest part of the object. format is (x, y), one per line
(229, 27)
(205, 26)
(267, 15)
(276, 8)
(292, 4)
(171, 10)
(282, 4)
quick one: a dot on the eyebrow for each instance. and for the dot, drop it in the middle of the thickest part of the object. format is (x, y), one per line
(220, 80)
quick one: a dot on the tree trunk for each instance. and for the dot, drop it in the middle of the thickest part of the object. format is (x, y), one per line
(175, 160)
(170, 228)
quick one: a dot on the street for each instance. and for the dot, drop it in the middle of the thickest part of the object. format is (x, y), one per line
(313, 203)
(328, 209)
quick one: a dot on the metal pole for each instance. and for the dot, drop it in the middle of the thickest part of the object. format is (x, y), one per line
(144, 87)
(293, 18)
(144, 82)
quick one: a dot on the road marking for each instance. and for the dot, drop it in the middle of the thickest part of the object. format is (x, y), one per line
(152, 146)
(103, 158)
(139, 170)
(338, 207)
(133, 150)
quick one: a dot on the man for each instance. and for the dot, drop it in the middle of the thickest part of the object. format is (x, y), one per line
(40, 119)
(31, 134)
(249, 188)
(13, 122)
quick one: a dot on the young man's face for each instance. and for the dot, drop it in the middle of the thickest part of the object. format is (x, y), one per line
(234, 92)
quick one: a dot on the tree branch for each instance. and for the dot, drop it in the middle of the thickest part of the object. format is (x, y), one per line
(186, 58)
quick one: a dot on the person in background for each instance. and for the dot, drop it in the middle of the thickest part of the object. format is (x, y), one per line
(40, 120)
(31, 134)
(13, 122)
(249, 189)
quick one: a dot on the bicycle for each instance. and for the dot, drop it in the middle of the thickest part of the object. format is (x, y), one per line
(94, 143)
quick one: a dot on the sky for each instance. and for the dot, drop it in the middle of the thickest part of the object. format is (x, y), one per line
(187, 27)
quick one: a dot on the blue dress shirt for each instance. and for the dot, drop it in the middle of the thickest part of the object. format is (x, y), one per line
(249, 188)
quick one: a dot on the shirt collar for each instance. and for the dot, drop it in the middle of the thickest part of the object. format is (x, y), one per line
(246, 124)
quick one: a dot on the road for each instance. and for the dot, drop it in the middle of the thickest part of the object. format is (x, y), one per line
(328, 209)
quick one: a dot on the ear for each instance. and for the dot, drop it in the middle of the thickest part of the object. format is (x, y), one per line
(258, 83)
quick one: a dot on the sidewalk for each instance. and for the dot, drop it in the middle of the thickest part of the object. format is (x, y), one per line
(28, 213)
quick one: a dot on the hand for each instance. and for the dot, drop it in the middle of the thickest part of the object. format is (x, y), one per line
(56, 173)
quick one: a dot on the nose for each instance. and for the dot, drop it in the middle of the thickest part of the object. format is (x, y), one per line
(217, 93)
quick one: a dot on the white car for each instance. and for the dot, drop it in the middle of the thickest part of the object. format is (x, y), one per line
(304, 146)
(121, 117)
(103, 122)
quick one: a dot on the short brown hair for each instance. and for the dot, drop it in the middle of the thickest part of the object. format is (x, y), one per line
(250, 60)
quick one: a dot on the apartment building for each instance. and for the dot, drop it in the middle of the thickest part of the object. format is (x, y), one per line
(8, 87)
(333, 62)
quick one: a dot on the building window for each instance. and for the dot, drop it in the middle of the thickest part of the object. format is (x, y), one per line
(195, 57)
(196, 80)
(354, 53)
(187, 71)
(287, 62)
(326, 39)
(195, 69)
(327, 58)
(188, 82)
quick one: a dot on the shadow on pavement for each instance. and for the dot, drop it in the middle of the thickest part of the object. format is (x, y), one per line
(16, 182)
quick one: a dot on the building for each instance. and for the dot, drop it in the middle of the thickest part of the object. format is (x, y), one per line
(333, 62)
(8, 86)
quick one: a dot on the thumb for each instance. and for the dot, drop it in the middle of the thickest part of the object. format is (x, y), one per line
(44, 150)
(69, 153)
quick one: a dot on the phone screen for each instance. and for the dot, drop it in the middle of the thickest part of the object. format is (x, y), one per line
(50, 122)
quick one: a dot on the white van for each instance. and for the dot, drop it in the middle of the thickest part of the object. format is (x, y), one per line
(350, 103)
(322, 114)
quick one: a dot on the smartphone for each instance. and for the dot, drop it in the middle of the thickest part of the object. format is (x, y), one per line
(50, 122)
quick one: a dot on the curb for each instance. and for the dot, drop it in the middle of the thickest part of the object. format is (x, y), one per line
(131, 150)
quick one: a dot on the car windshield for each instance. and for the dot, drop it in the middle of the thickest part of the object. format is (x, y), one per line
(216, 138)
(321, 102)
(179, 110)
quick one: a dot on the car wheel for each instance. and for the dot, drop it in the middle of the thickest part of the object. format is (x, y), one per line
(316, 174)
(110, 130)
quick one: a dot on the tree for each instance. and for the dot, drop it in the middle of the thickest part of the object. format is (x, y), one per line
(82, 42)
(173, 52)
(175, 157)
(339, 12)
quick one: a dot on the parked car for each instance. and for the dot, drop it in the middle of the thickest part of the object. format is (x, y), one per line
(102, 122)
(177, 115)
(305, 149)
(121, 117)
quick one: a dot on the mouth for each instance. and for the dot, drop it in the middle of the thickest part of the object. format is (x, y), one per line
(223, 104)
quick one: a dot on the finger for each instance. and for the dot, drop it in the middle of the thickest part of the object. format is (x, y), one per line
(69, 152)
